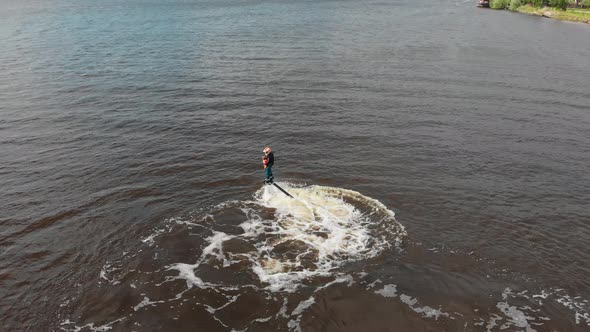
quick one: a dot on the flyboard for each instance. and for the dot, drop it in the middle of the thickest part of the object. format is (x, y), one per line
(281, 189)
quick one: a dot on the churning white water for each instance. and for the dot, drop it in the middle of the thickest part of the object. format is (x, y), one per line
(288, 240)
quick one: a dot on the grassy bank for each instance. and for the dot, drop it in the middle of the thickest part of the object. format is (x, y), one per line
(547, 8)
(571, 14)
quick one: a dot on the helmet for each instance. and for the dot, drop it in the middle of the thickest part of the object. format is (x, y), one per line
(267, 150)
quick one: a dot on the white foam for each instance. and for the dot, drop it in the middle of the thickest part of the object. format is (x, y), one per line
(574, 304)
(145, 302)
(348, 279)
(263, 320)
(388, 291)
(212, 310)
(186, 272)
(336, 231)
(105, 271)
(425, 311)
(150, 239)
(517, 317)
(525, 316)
(303, 306)
(283, 311)
(294, 324)
(325, 229)
(492, 323)
(90, 326)
(374, 283)
(214, 248)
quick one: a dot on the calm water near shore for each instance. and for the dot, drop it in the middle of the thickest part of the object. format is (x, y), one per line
(438, 154)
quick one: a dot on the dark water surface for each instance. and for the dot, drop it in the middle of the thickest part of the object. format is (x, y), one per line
(132, 198)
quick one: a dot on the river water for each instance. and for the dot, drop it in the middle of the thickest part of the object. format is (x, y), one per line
(438, 155)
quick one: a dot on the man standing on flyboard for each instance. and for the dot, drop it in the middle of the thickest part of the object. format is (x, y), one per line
(268, 161)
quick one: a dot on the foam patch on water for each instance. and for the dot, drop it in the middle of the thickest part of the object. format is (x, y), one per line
(70, 326)
(107, 272)
(145, 302)
(387, 291)
(525, 315)
(310, 235)
(425, 311)
(294, 324)
(520, 311)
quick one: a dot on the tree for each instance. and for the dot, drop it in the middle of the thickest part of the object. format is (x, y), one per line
(558, 4)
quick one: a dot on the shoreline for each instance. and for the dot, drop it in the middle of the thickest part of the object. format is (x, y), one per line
(571, 14)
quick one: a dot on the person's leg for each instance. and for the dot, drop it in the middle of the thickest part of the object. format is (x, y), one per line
(268, 174)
